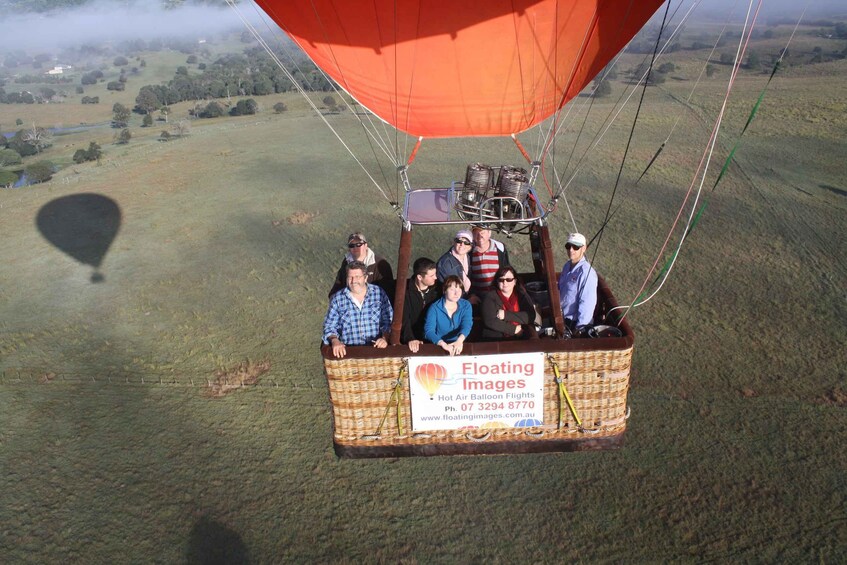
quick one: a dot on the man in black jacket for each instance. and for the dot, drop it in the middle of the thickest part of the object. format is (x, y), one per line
(421, 291)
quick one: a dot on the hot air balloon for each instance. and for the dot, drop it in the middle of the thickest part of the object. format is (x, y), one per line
(528, 423)
(81, 225)
(494, 424)
(430, 376)
(444, 69)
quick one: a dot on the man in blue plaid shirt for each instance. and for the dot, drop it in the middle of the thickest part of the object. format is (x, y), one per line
(358, 315)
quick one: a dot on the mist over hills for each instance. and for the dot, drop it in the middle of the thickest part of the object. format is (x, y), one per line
(79, 22)
(23, 6)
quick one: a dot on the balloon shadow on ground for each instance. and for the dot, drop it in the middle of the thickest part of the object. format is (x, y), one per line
(212, 543)
(81, 225)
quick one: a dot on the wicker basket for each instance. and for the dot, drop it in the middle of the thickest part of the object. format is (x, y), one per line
(365, 403)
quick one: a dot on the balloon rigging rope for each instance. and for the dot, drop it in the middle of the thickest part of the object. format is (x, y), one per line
(595, 142)
(679, 117)
(311, 103)
(687, 231)
(373, 135)
(616, 111)
(632, 129)
(703, 166)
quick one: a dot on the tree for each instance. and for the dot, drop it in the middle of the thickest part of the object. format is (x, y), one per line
(80, 156)
(191, 59)
(123, 137)
(9, 157)
(182, 128)
(120, 61)
(165, 112)
(667, 68)
(93, 153)
(165, 136)
(753, 61)
(147, 121)
(19, 144)
(727, 58)
(121, 114)
(710, 70)
(330, 103)
(280, 107)
(147, 101)
(40, 171)
(116, 85)
(40, 138)
(8, 178)
(212, 110)
(244, 108)
(602, 88)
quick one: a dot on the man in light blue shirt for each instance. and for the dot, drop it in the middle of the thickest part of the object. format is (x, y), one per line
(358, 315)
(578, 285)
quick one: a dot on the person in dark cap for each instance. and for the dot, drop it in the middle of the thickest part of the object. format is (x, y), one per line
(578, 286)
(378, 269)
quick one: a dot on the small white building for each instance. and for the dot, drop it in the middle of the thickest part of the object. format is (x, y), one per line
(59, 69)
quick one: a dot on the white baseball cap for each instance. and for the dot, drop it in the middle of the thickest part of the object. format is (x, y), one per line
(576, 239)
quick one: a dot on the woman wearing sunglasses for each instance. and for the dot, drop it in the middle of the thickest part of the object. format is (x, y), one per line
(456, 262)
(507, 312)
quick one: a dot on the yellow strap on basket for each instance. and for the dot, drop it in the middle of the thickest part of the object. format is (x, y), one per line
(563, 394)
(397, 394)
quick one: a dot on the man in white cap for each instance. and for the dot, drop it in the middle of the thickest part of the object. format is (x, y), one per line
(577, 286)
(456, 261)
(378, 269)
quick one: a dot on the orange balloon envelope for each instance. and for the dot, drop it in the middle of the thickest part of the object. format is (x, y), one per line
(455, 68)
(430, 376)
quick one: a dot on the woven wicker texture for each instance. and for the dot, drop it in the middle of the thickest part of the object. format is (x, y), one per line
(361, 390)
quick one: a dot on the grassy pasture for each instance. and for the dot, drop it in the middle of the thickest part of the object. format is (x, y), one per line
(111, 450)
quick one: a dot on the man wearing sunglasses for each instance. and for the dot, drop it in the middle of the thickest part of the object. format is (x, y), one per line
(578, 286)
(378, 269)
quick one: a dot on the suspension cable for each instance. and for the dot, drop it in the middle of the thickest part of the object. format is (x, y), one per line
(302, 91)
(704, 161)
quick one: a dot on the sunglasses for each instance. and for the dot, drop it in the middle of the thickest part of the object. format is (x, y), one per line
(504, 279)
(572, 246)
(462, 241)
(352, 245)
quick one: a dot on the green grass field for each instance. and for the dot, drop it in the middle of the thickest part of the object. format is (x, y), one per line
(112, 450)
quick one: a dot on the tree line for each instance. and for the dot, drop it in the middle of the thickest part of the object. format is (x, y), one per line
(253, 73)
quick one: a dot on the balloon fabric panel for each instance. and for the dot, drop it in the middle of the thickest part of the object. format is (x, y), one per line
(442, 68)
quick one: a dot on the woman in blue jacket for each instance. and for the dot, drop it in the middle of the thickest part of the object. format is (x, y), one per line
(449, 319)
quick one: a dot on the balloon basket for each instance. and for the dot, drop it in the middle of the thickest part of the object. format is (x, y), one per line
(585, 385)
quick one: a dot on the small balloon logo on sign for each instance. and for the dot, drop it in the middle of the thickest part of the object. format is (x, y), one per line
(528, 423)
(430, 376)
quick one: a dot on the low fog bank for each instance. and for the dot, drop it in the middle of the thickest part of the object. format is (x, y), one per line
(108, 21)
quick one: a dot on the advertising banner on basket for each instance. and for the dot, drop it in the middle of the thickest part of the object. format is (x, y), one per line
(480, 391)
